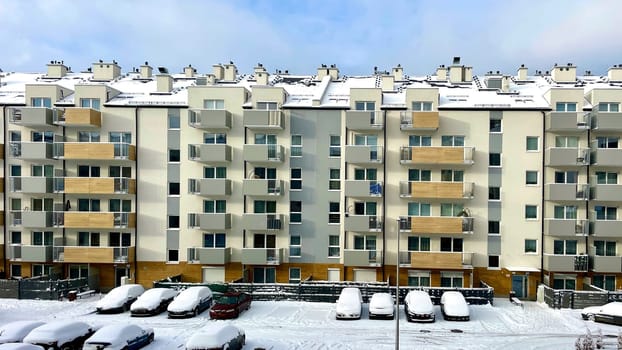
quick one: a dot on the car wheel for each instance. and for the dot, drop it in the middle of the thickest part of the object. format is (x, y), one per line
(225, 347)
(150, 339)
(591, 317)
(195, 312)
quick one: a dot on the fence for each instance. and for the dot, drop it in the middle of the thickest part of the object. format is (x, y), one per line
(40, 288)
(577, 299)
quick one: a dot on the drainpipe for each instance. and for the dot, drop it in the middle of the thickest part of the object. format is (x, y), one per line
(542, 199)
(384, 196)
(136, 197)
(6, 167)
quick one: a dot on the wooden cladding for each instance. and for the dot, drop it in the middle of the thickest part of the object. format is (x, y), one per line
(424, 120)
(99, 185)
(83, 117)
(436, 224)
(436, 189)
(97, 255)
(87, 219)
(438, 155)
(436, 260)
(96, 150)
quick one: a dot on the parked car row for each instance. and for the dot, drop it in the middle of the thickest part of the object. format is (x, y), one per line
(417, 305)
(609, 313)
(73, 335)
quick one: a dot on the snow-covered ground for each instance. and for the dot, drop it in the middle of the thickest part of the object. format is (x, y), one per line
(302, 325)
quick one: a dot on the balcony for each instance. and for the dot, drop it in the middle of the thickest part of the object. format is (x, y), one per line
(93, 219)
(562, 157)
(209, 187)
(262, 256)
(436, 260)
(607, 228)
(363, 188)
(80, 117)
(31, 150)
(606, 192)
(212, 153)
(209, 256)
(95, 255)
(262, 187)
(95, 185)
(360, 257)
(437, 224)
(33, 116)
(264, 153)
(436, 189)
(31, 184)
(209, 221)
(607, 122)
(363, 223)
(566, 263)
(209, 119)
(30, 253)
(37, 219)
(437, 155)
(264, 119)
(364, 120)
(94, 151)
(566, 192)
(263, 222)
(606, 157)
(607, 264)
(419, 121)
(567, 121)
(363, 154)
(566, 227)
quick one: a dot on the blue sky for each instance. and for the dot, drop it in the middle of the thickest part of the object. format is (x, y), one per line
(299, 35)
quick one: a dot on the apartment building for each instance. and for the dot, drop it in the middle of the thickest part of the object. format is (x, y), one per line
(509, 180)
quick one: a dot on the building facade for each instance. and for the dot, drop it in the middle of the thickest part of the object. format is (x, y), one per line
(508, 180)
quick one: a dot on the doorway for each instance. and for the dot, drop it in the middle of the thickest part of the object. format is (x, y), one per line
(519, 285)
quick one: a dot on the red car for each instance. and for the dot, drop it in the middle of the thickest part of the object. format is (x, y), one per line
(230, 305)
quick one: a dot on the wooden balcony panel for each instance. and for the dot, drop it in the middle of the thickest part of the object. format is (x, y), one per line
(95, 220)
(94, 255)
(83, 117)
(86, 150)
(437, 189)
(425, 120)
(436, 224)
(436, 260)
(438, 155)
(95, 185)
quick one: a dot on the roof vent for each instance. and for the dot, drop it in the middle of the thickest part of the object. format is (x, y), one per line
(456, 60)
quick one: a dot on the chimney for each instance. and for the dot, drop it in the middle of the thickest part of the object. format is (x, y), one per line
(189, 71)
(261, 75)
(219, 71)
(441, 73)
(106, 71)
(388, 82)
(145, 71)
(564, 74)
(56, 69)
(231, 72)
(164, 82)
(398, 73)
(615, 73)
(324, 70)
(521, 74)
(210, 79)
(505, 83)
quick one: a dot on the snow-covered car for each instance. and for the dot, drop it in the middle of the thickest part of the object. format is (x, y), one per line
(217, 336)
(60, 335)
(454, 307)
(349, 304)
(152, 302)
(119, 337)
(15, 332)
(381, 306)
(419, 307)
(190, 302)
(20, 346)
(608, 313)
(230, 305)
(119, 299)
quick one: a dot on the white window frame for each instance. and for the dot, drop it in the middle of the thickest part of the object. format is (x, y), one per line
(93, 103)
(525, 246)
(537, 138)
(568, 107)
(527, 173)
(334, 180)
(295, 180)
(295, 279)
(334, 246)
(608, 107)
(525, 213)
(422, 106)
(295, 245)
(334, 149)
(296, 146)
(214, 104)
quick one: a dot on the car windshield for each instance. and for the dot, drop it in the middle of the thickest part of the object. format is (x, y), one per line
(227, 300)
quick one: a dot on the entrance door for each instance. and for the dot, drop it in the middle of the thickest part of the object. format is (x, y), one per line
(518, 285)
(264, 275)
(119, 272)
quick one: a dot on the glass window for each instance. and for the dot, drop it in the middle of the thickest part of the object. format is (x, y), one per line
(531, 211)
(214, 138)
(90, 103)
(567, 141)
(271, 106)
(565, 212)
(494, 193)
(173, 255)
(294, 275)
(531, 177)
(607, 142)
(214, 240)
(565, 107)
(605, 248)
(609, 107)
(495, 125)
(421, 106)
(335, 146)
(173, 221)
(296, 148)
(532, 143)
(450, 244)
(606, 178)
(607, 282)
(41, 102)
(494, 159)
(295, 212)
(173, 188)
(606, 213)
(295, 179)
(334, 251)
(452, 140)
(419, 175)
(215, 173)
(42, 136)
(334, 216)
(364, 105)
(214, 104)
(493, 261)
(173, 119)
(418, 209)
(334, 184)
(566, 177)
(173, 155)
(418, 244)
(452, 175)
(494, 227)
(295, 245)
(419, 141)
(531, 246)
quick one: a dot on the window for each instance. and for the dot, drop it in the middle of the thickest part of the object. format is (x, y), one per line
(90, 103)
(565, 212)
(605, 248)
(564, 282)
(16, 170)
(494, 227)
(567, 141)
(295, 212)
(452, 175)
(418, 209)
(451, 279)
(451, 244)
(214, 104)
(494, 159)
(452, 140)
(334, 148)
(367, 242)
(173, 155)
(215, 172)
(607, 142)
(493, 261)
(565, 107)
(532, 143)
(120, 137)
(334, 182)
(214, 138)
(565, 247)
(173, 188)
(120, 205)
(264, 207)
(606, 178)
(42, 238)
(295, 179)
(421, 106)
(47, 170)
(88, 239)
(295, 249)
(173, 221)
(606, 213)
(418, 279)
(607, 282)
(418, 244)
(531, 212)
(174, 121)
(419, 141)
(566, 177)
(494, 193)
(119, 239)
(218, 206)
(42, 136)
(270, 106)
(531, 246)
(88, 171)
(214, 240)
(451, 209)
(365, 174)
(495, 125)
(264, 173)
(173, 255)
(609, 107)
(87, 204)
(42, 270)
(296, 148)
(294, 275)
(265, 139)
(531, 177)
(419, 175)
(119, 171)
(41, 102)
(334, 217)
(88, 136)
(365, 105)
(16, 237)
(78, 271)
(16, 270)
(333, 246)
